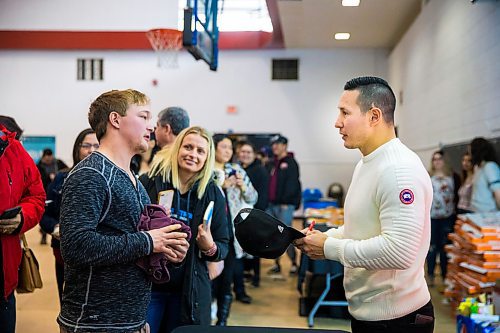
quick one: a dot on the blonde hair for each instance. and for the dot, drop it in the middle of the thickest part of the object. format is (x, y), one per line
(165, 162)
(446, 166)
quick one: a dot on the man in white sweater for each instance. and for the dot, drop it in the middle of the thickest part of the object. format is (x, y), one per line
(386, 232)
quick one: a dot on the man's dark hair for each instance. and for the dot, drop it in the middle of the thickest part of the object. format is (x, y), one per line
(247, 143)
(374, 92)
(176, 117)
(482, 150)
(10, 124)
(47, 152)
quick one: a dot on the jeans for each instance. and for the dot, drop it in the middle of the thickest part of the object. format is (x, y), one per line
(420, 321)
(8, 314)
(284, 213)
(440, 228)
(164, 312)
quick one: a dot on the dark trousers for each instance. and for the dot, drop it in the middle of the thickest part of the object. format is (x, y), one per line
(253, 265)
(221, 286)
(440, 228)
(8, 314)
(420, 321)
(238, 277)
(60, 280)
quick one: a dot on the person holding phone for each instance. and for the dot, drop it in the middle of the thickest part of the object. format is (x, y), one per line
(21, 207)
(187, 168)
(239, 193)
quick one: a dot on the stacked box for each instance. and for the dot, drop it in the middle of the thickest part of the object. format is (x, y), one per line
(474, 256)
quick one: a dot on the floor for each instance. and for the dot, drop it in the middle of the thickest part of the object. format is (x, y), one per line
(275, 302)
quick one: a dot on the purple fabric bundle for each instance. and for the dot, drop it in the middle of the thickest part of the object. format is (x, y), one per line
(155, 264)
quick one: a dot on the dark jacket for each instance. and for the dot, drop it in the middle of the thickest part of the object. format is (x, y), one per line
(196, 286)
(20, 185)
(53, 208)
(260, 180)
(288, 188)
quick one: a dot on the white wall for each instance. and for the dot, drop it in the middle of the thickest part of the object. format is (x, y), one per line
(448, 67)
(41, 91)
(89, 15)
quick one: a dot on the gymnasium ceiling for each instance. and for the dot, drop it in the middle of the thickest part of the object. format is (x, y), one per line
(296, 23)
(375, 23)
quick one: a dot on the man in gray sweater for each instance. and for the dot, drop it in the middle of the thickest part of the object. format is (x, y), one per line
(105, 291)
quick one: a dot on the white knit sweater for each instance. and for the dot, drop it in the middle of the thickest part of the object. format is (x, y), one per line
(386, 234)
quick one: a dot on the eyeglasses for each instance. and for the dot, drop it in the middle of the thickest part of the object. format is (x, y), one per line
(89, 145)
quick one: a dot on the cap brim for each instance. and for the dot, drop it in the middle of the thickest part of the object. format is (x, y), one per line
(295, 233)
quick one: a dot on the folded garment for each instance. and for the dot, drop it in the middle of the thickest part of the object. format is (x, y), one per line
(156, 264)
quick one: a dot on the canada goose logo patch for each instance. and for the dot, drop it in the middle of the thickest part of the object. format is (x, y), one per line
(406, 196)
(280, 228)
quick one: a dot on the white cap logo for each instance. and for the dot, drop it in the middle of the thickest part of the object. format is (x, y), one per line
(280, 228)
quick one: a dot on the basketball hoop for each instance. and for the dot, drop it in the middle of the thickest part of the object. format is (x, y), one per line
(166, 43)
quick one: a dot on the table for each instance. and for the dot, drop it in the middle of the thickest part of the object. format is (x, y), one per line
(332, 269)
(244, 329)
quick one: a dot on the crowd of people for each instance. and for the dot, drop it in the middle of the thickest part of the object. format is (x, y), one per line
(93, 209)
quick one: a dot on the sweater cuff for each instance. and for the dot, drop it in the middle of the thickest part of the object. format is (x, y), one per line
(150, 242)
(334, 249)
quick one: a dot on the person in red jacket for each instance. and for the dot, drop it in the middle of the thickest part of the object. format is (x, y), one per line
(20, 185)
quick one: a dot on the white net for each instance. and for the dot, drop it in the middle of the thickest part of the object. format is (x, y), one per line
(166, 43)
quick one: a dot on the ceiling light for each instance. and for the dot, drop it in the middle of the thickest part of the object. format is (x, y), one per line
(342, 36)
(350, 3)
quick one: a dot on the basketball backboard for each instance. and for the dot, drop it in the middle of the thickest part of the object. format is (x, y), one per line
(200, 36)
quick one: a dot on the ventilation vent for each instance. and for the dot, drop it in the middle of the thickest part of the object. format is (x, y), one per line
(285, 69)
(90, 69)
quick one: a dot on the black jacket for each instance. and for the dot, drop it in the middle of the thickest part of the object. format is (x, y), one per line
(260, 180)
(288, 189)
(196, 286)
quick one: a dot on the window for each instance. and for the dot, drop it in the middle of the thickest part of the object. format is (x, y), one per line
(285, 69)
(90, 69)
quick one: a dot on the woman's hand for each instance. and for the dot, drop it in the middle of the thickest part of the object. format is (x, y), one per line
(240, 182)
(204, 238)
(229, 181)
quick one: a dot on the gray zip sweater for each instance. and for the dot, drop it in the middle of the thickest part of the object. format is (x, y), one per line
(104, 289)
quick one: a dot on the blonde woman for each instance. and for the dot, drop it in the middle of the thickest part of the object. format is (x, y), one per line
(442, 213)
(187, 168)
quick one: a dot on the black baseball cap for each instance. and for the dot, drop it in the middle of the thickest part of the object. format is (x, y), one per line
(279, 139)
(262, 235)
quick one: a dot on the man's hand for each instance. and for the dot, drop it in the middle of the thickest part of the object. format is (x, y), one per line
(8, 226)
(313, 244)
(170, 242)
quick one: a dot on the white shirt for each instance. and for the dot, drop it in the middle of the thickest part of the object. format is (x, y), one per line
(385, 238)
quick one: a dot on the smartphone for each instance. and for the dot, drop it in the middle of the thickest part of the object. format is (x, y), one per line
(232, 173)
(10, 213)
(165, 199)
(207, 217)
